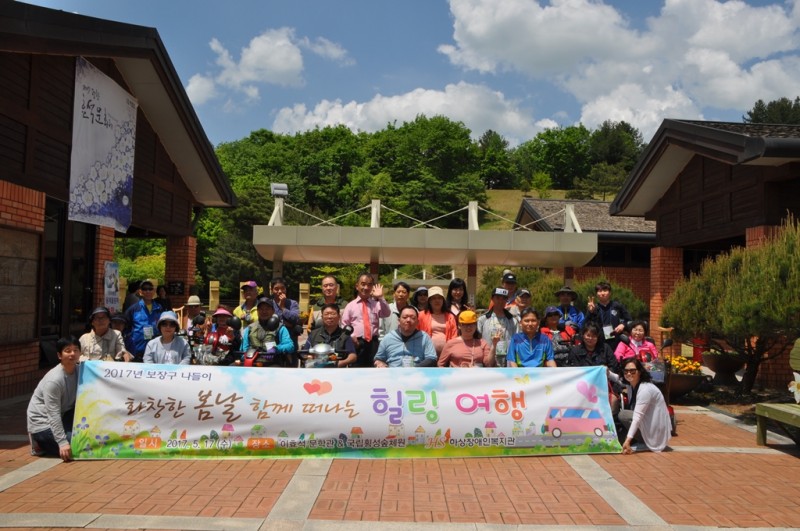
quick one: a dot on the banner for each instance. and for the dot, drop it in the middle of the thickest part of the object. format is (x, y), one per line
(111, 287)
(103, 144)
(192, 411)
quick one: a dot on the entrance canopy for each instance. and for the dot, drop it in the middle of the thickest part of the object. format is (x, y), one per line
(361, 245)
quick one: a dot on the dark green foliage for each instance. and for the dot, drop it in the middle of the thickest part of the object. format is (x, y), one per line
(780, 111)
(747, 301)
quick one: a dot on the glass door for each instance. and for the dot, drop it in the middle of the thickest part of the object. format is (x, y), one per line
(67, 281)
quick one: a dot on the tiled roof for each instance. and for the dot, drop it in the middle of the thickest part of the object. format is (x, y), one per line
(593, 216)
(752, 130)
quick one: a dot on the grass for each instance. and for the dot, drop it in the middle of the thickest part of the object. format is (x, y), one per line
(506, 203)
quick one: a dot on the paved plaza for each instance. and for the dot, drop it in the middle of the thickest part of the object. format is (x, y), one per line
(714, 476)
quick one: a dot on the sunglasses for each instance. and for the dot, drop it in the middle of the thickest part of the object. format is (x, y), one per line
(630, 371)
(170, 324)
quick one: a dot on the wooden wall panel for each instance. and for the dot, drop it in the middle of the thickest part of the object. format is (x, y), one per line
(13, 136)
(15, 83)
(716, 176)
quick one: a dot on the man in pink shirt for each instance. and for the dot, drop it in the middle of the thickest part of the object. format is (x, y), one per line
(370, 304)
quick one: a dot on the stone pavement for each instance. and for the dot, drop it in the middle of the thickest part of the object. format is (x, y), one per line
(714, 477)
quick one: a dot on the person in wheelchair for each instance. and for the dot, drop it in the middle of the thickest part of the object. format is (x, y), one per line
(269, 335)
(332, 334)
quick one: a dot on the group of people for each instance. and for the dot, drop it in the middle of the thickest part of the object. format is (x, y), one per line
(426, 328)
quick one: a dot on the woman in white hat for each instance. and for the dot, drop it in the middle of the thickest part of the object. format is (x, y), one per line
(168, 348)
(437, 321)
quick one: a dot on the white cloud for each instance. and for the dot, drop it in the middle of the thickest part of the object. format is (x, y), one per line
(479, 107)
(646, 109)
(695, 54)
(538, 40)
(327, 49)
(201, 89)
(272, 58)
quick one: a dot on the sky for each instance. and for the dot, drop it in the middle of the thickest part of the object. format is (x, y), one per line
(514, 66)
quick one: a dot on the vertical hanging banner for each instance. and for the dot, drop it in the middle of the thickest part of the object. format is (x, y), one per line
(103, 144)
(111, 287)
(193, 411)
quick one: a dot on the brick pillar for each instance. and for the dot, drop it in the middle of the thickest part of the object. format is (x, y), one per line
(103, 252)
(181, 265)
(666, 269)
(21, 208)
(757, 236)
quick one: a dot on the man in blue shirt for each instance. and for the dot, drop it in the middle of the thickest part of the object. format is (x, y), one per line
(406, 342)
(142, 321)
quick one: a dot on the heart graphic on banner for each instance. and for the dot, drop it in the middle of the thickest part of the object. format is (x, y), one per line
(318, 387)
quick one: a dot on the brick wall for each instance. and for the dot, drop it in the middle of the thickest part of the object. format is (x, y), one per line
(666, 267)
(775, 373)
(21, 208)
(104, 252)
(181, 265)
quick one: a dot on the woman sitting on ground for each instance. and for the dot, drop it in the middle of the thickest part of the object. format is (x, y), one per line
(638, 346)
(645, 417)
(468, 349)
(437, 321)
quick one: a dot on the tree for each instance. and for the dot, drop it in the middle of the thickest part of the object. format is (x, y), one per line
(542, 183)
(746, 301)
(496, 168)
(780, 111)
(562, 153)
(616, 143)
(604, 180)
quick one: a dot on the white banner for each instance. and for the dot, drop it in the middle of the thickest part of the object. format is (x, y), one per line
(170, 411)
(103, 144)
(111, 287)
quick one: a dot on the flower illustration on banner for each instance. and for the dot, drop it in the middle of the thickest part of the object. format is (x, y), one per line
(317, 386)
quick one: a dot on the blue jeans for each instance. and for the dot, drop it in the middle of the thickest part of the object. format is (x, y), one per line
(47, 441)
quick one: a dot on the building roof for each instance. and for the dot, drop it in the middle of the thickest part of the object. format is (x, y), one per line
(140, 56)
(677, 141)
(593, 216)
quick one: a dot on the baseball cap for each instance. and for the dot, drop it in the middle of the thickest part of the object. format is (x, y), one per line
(98, 310)
(551, 310)
(522, 292)
(467, 317)
(250, 284)
(502, 292)
(168, 316)
(263, 300)
(510, 278)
